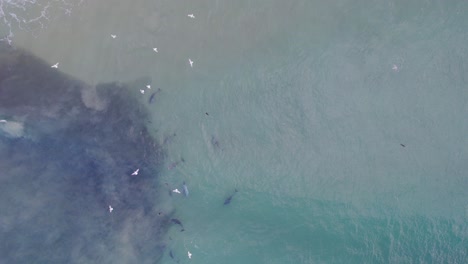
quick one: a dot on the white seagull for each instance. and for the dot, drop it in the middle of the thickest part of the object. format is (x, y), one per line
(148, 86)
(113, 36)
(190, 62)
(110, 209)
(142, 91)
(395, 68)
(135, 172)
(189, 254)
(3, 121)
(176, 191)
(191, 15)
(155, 50)
(55, 65)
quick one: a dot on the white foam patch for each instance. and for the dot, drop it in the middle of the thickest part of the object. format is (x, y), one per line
(12, 128)
(30, 15)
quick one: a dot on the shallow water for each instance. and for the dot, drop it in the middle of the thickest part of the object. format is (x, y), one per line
(302, 106)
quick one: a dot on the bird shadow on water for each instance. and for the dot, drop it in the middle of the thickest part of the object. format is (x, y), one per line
(67, 150)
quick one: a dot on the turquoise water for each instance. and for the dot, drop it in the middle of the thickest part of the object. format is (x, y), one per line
(308, 103)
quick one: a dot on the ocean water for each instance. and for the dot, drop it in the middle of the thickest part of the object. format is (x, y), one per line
(342, 124)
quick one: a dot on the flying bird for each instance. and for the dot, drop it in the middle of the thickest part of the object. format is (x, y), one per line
(55, 65)
(110, 209)
(189, 254)
(135, 172)
(148, 86)
(191, 15)
(155, 50)
(190, 62)
(113, 36)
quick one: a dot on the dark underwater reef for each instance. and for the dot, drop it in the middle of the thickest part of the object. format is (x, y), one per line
(70, 156)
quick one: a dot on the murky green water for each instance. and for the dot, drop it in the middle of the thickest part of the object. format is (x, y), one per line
(341, 123)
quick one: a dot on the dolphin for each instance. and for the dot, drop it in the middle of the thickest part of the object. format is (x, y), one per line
(214, 141)
(151, 99)
(169, 139)
(228, 200)
(174, 164)
(178, 222)
(186, 192)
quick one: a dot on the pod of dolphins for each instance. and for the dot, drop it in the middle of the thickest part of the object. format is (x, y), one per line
(186, 194)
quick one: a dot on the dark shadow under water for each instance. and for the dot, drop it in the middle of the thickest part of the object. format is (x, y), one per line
(66, 153)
